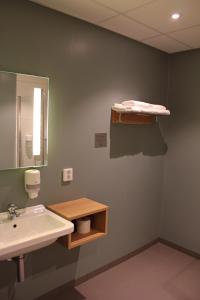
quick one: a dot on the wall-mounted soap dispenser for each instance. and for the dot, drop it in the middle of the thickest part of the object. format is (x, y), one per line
(32, 183)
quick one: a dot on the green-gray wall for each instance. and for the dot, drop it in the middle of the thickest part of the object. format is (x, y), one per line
(89, 69)
(181, 194)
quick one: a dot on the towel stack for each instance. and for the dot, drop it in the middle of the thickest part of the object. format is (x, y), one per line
(141, 107)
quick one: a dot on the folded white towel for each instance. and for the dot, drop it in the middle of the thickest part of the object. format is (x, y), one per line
(142, 104)
(140, 107)
(118, 106)
(135, 103)
(142, 110)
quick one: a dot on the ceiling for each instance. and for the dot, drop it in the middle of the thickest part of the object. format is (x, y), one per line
(147, 21)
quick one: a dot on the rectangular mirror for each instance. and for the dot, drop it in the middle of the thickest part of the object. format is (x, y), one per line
(23, 120)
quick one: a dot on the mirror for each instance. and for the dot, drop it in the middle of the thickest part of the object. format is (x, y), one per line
(23, 120)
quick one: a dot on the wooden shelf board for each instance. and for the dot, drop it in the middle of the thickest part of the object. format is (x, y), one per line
(131, 118)
(78, 239)
(76, 209)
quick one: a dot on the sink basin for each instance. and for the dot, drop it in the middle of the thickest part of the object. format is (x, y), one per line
(35, 228)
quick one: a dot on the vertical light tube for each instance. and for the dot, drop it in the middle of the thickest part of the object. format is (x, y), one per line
(37, 120)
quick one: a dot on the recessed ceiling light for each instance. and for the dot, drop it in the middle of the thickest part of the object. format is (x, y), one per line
(175, 16)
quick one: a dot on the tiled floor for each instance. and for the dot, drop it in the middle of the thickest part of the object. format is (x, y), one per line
(159, 273)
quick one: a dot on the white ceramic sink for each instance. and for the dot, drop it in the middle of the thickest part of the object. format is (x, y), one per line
(35, 228)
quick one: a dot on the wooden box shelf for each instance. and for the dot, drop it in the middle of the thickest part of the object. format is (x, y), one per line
(76, 209)
(131, 118)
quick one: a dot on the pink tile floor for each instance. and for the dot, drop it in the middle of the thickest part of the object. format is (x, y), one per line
(158, 273)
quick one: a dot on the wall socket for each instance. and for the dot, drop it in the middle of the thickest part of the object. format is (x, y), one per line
(68, 174)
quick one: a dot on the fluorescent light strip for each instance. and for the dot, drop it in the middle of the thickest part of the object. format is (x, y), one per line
(37, 120)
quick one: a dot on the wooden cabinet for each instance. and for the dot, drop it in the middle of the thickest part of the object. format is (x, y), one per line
(76, 209)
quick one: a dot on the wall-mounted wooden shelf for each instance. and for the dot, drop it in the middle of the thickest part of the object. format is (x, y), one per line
(131, 118)
(76, 209)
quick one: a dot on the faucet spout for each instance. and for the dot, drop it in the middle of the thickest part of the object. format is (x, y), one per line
(12, 211)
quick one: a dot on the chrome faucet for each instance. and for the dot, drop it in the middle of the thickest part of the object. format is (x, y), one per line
(12, 211)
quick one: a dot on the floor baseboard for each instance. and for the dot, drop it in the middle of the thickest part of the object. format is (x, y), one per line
(133, 253)
(69, 289)
(114, 263)
(179, 248)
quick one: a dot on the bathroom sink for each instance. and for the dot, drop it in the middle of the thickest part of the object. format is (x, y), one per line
(36, 227)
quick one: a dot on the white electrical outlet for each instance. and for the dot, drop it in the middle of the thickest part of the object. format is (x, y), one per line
(67, 174)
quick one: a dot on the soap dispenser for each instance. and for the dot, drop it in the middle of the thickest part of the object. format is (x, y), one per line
(32, 183)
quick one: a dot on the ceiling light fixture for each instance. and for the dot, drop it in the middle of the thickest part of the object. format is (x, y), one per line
(175, 16)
